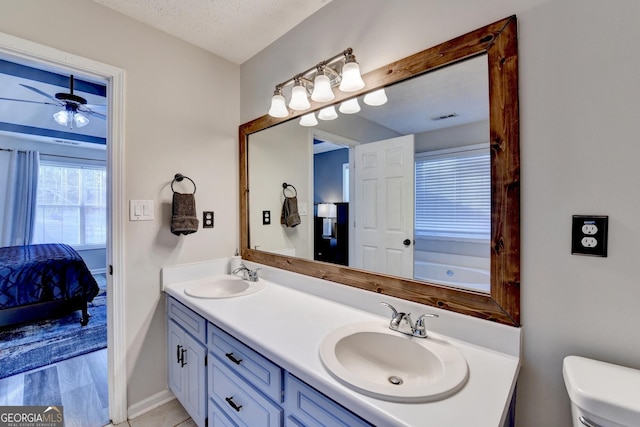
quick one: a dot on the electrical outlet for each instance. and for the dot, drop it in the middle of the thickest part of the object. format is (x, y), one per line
(589, 235)
(589, 229)
(266, 217)
(207, 219)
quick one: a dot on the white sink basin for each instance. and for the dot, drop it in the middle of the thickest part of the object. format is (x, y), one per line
(223, 286)
(388, 365)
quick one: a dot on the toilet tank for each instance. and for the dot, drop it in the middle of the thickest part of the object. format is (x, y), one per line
(602, 394)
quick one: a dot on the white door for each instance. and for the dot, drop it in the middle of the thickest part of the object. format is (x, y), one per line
(384, 199)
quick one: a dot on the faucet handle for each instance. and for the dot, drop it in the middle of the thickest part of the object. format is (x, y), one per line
(396, 317)
(253, 274)
(420, 329)
(394, 312)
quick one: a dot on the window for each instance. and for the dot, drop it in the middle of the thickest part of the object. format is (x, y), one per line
(453, 193)
(72, 204)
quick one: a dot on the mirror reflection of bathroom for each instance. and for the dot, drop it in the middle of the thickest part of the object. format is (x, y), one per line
(402, 189)
(442, 215)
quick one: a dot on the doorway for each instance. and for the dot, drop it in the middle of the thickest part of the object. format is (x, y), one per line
(34, 53)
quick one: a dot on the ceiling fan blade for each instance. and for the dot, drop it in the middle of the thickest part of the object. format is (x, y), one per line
(31, 102)
(98, 115)
(90, 111)
(43, 94)
(96, 107)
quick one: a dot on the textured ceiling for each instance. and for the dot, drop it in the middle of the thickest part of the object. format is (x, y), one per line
(233, 29)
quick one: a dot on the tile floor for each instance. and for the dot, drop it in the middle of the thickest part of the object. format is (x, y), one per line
(171, 414)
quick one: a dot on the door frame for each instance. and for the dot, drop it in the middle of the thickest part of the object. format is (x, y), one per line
(116, 337)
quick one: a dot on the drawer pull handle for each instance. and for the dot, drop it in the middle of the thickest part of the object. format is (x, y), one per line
(232, 403)
(183, 361)
(233, 359)
(178, 348)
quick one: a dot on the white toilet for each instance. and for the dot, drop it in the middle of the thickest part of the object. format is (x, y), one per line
(602, 394)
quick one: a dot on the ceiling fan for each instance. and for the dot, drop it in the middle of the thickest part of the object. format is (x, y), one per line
(75, 108)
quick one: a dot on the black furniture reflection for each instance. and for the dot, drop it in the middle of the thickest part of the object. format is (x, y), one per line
(335, 247)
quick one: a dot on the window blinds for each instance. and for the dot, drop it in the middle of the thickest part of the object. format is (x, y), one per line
(453, 194)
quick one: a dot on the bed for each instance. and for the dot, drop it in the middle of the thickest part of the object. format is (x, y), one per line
(43, 281)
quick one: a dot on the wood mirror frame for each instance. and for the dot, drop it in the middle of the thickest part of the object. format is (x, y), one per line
(499, 42)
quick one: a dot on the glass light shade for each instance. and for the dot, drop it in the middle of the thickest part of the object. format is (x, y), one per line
(351, 79)
(308, 120)
(350, 107)
(322, 89)
(328, 113)
(80, 120)
(278, 107)
(61, 117)
(299, 100)
(376, 98)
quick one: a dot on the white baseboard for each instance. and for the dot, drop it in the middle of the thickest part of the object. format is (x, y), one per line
(150, 403)
(98, 271)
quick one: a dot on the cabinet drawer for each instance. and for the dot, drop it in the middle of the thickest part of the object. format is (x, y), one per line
(217, 417)
(190, 321)
(255, 368)
(311, 408)
(241, 402)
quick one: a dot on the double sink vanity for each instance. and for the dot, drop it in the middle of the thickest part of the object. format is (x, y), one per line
(308, 343)
(298, 351)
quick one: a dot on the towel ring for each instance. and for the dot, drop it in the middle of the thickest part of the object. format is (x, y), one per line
(284, 188)
(179, 177)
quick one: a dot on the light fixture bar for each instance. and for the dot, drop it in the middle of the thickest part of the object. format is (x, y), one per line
(348, 51)
(318, 83)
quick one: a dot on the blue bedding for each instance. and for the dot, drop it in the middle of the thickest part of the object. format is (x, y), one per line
(41, 273)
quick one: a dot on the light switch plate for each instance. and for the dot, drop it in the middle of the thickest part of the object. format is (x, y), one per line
(141, 210)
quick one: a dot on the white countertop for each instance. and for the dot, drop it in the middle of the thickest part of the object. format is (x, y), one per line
(287, 326)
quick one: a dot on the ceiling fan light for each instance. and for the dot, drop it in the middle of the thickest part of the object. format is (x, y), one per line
(299, 100)
(308, 120)
(278, 106)
(328, 113)
(376, 98)
(351, 79)
(80, 120)
(350, 106)
(322, 89)
(61, 117)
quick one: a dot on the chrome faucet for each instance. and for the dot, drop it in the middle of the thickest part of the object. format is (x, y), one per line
(250, 275)
(407, 327)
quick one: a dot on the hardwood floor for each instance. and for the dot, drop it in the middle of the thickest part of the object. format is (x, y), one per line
(79, 385)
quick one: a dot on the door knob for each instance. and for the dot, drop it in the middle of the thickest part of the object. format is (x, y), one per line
(406, 242)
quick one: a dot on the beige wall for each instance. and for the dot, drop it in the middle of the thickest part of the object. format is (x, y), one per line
(579, 103)
(181, 116)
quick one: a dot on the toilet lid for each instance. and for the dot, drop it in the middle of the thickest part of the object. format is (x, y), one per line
(603, 389)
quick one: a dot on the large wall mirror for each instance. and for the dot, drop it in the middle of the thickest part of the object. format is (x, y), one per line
(439, 224)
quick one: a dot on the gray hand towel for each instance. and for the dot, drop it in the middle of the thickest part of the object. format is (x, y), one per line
(290, 216)
(184, 219)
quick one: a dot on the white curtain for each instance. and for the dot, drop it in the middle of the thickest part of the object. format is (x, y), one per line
(22, 192)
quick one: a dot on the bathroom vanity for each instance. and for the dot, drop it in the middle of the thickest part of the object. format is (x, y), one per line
(254, 359)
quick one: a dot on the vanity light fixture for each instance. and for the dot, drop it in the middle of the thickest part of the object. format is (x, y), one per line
(299, 100)
(308, 120)
(278, 105)
(376, 98)
(319, 80)
(350, 106)
(328, 113)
